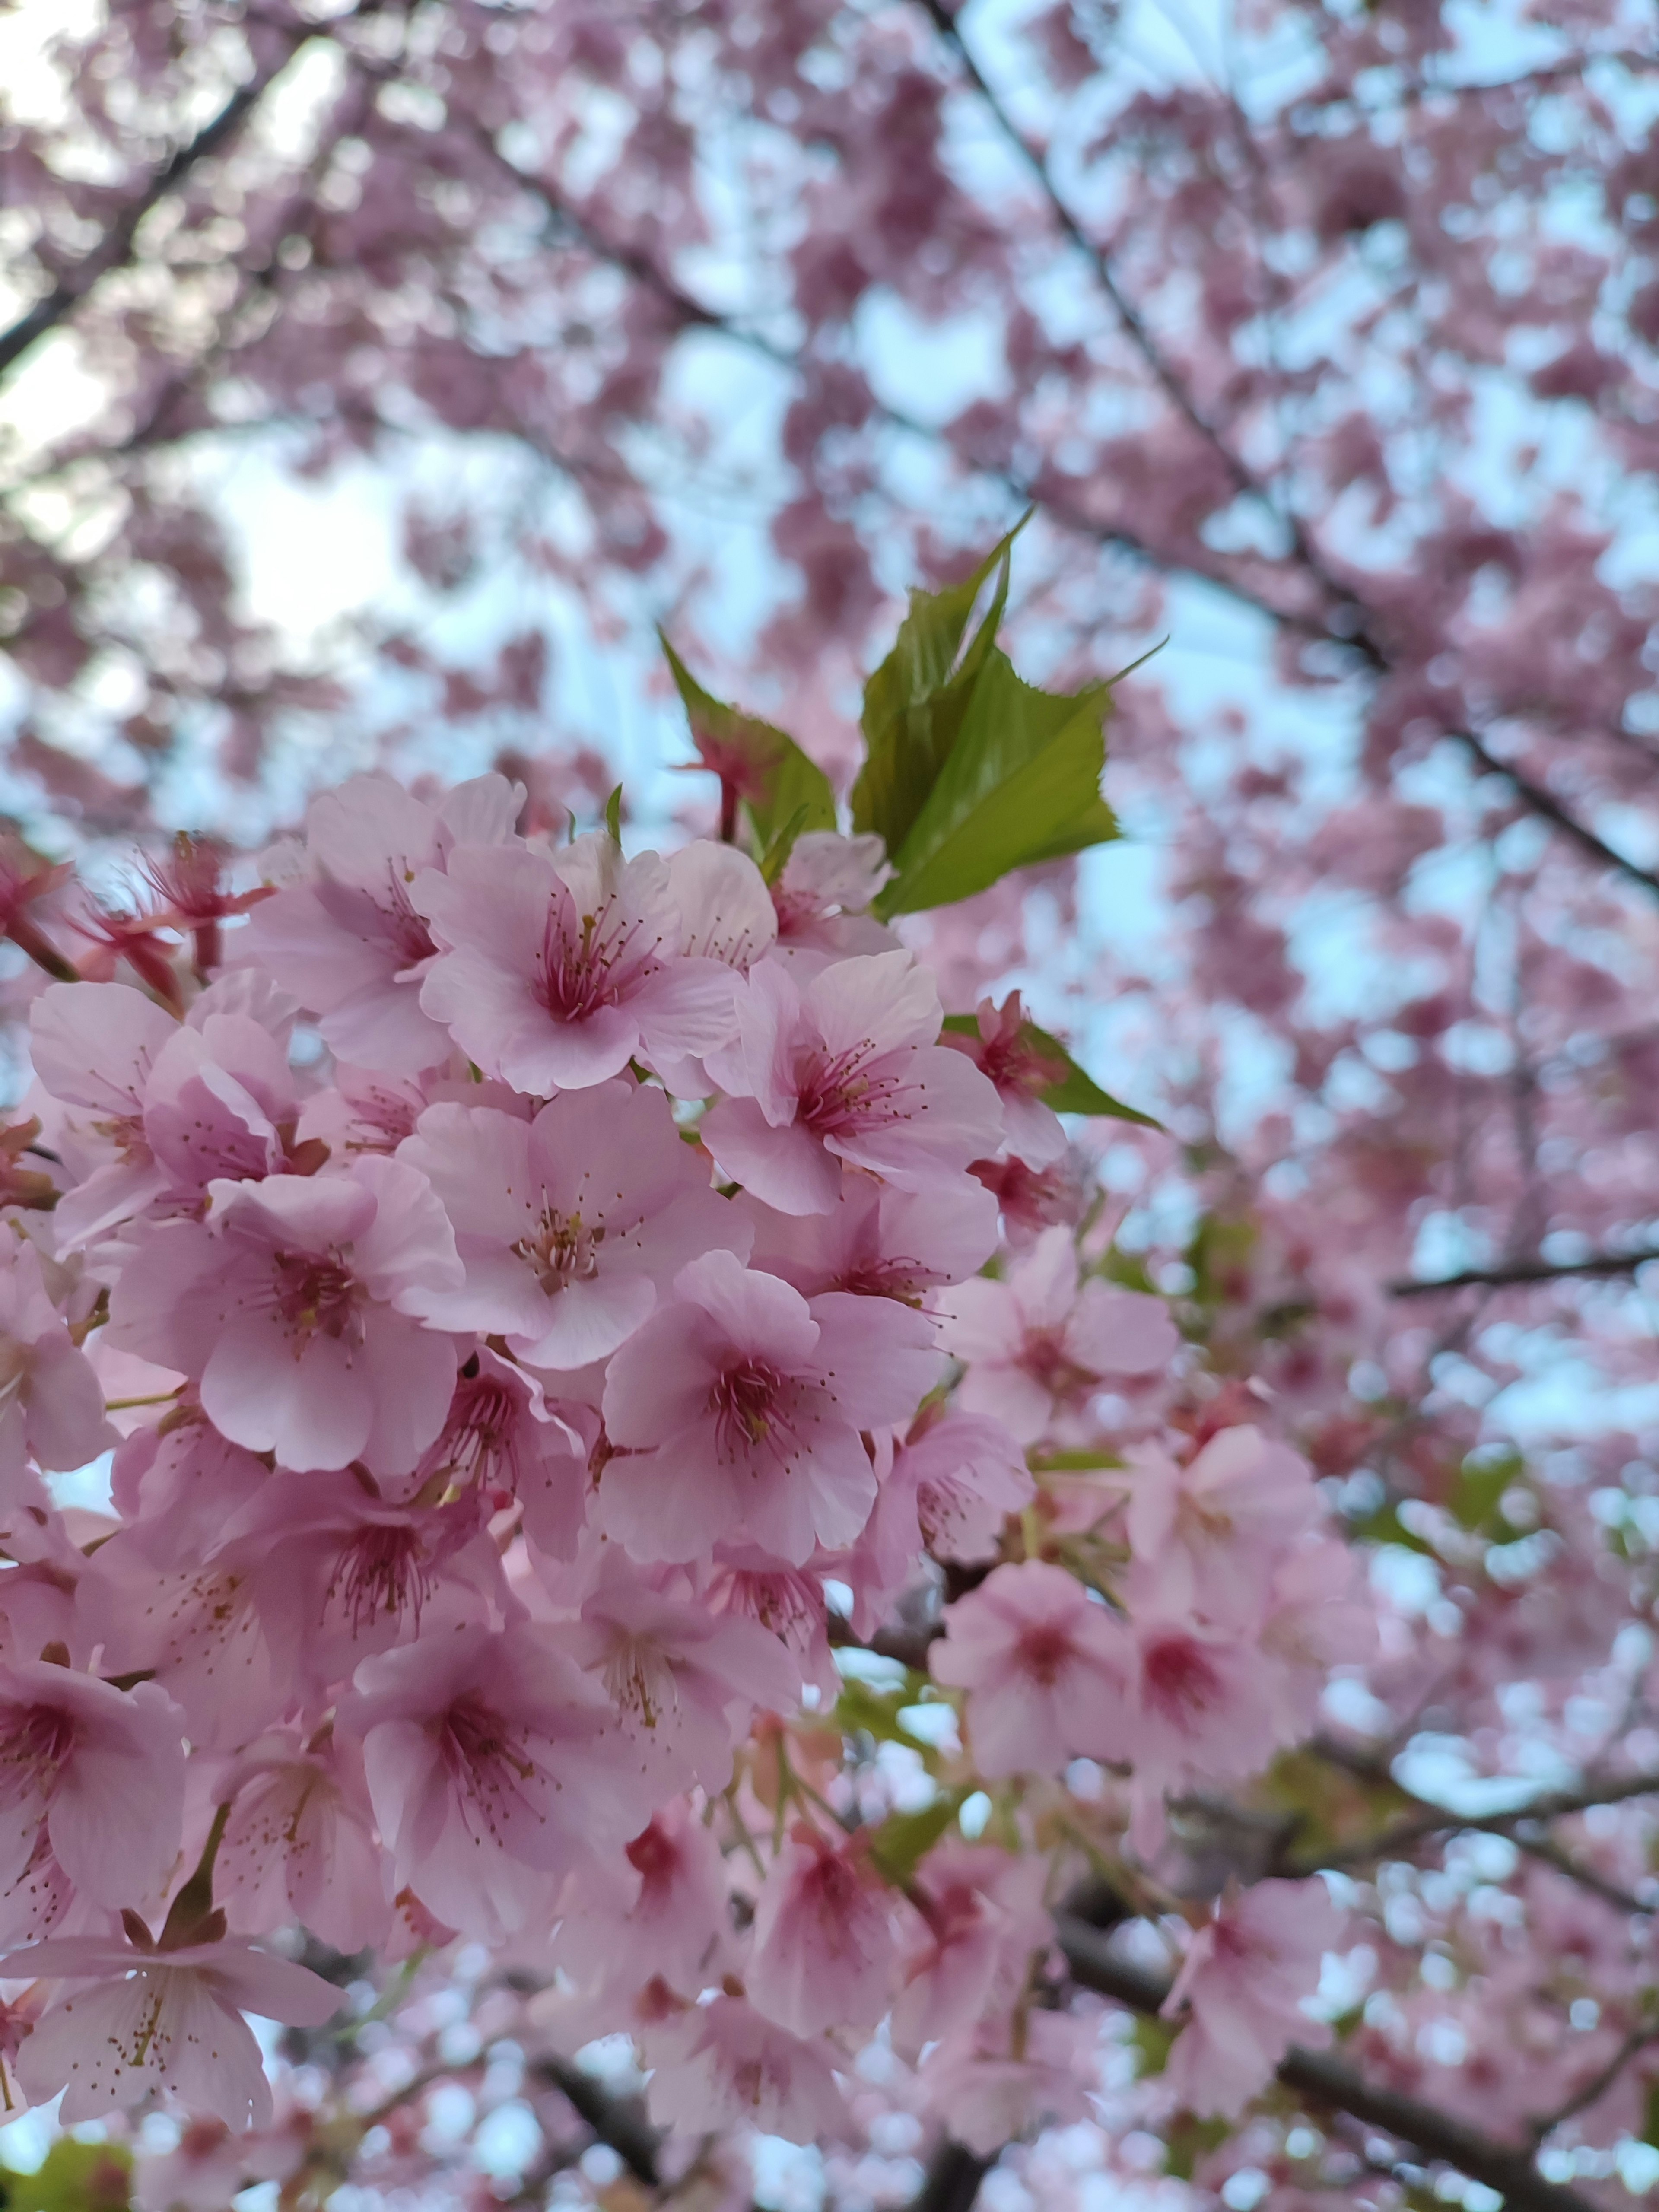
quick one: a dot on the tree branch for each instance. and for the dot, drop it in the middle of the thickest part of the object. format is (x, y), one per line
(1331, 2082)
(952, 2179)
(1515, 1273)
(1439, 1819)
(114, 250)
(618, 2121)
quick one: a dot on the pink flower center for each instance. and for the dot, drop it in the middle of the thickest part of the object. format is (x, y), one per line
(1179, 1676)
(745, 1405)
(315, 1294)
(479, 1434)
(34, 1742)
(595, 966)
(1045, 1359)
(479, 1752)
(1044, 1651)
(382, 1571)
(406, 931)
(834, 1094)
(564, 1250)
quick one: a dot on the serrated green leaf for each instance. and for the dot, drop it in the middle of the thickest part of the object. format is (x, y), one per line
(73, 2176)
(1021, 785)
(914, 702)
(771, 775)
(1071, 1090)
(904, 1840)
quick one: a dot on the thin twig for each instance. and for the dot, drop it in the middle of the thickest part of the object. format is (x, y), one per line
(1330, 2081)
(1515, 1273)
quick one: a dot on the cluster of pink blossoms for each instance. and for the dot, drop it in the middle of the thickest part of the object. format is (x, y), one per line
(528, 1284)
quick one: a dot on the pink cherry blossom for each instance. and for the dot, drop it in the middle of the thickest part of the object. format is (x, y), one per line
(825, 1938)
(568, 1225)
(1046, 1667)
(218, 1100)
(94, 1046)
(1043, 1340)
(1216, 1527)
(843, 1070)
(982, 1918)
(660, 1909)
(140, 2022)
(1021, 1070)
(828, 881)
(349, 943)
(99, 1770)
(684, 1683)
(299, 1845)
(556, 970)
(877, 1242)
(725, 2064)
(736, 1412)
(289, 1303)
(51, 1408)
(1240, 1989)
(490, 1768)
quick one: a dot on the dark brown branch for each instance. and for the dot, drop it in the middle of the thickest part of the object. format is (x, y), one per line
(1592, 2091)
(1544, 803)
(1330, 2081)
(618, 2121)
(952, 2179)
(1438, 1821)
(1515, 1273)
(115, 249)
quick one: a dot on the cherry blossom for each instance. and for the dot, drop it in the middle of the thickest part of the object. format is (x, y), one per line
(736, 1413)
(554, 972)
(843, 1070)
(288, 1304)
(1042, 1339)
(1240, 1991)
(1046, 1667)
(140, 2020)
(825, 1937)
(569, 1225)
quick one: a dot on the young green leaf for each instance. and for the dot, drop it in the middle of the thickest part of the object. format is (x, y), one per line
(1021, 785)
(613, 815)
(915, 700)
(757, 765)
(903, 1839)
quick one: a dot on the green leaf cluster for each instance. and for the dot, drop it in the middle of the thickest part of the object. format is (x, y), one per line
(903, 1839)
(970, 772)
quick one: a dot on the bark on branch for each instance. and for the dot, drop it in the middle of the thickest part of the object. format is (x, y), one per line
(1325, 2079)
(1521, 1272)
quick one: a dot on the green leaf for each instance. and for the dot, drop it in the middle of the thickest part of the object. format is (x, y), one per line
(877, 1712)
(775, 858)
(73, 2176)
(613, 815)
(767, 770)
(1650, 2116)
(904, 1840)
(1185, 2139)
(915, 700)
(1021, 784)
(1151, 2040)
(1481, 1482)
(1070, 1090)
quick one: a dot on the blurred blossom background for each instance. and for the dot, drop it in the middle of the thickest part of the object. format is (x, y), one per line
(375, 379)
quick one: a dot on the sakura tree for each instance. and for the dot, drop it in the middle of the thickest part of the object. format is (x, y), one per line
(497, 1222)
